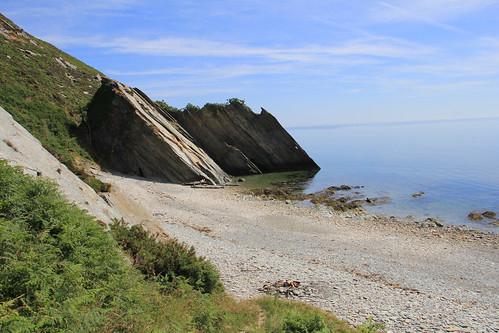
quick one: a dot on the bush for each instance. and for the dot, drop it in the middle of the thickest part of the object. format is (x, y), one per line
(191, 108)
(166, 107)
(59, 271)
(235, 101)
(168, 262)
(304, 323)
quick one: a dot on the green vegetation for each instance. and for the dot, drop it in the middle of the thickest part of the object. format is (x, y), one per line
(168, 262)
(167, 107)
(234, 102)
(46, 97)
(291, 317)
(60, 271)
(192, 108)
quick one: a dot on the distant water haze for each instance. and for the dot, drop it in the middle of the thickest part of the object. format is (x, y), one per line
(456, 164)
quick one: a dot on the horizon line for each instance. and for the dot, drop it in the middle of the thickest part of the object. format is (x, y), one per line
(389, 123)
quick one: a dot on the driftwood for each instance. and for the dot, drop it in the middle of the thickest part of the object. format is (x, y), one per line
(207, 186)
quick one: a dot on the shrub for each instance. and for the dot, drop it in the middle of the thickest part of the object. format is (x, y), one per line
(191, 107)
(59, 271)
(168, 262)
(235, 101)
(166, 107)
(304, 323)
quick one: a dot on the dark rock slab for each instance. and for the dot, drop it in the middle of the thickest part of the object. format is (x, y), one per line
(243, 142)
(130, 134)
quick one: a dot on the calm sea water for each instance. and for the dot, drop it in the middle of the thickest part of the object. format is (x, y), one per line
(455, 163)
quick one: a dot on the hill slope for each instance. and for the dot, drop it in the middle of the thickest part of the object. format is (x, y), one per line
(45, 90)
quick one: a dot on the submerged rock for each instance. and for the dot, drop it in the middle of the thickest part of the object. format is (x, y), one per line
(378, 201)
(340, 188)
(489, 214)
(475, 216)
(243, 142)
(130, 134)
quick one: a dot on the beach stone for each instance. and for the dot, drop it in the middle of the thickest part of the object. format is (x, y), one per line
(432, 222)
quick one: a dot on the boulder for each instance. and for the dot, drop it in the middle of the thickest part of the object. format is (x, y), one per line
(131, 135)
(243, 142)
(434, 222)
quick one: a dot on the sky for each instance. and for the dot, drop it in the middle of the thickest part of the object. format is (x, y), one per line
(313, 62)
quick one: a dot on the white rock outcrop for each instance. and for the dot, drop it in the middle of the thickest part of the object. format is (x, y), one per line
(19, 148)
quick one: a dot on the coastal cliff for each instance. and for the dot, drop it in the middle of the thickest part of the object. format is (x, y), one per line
(131, 135)
(243, 142)
(61, 102)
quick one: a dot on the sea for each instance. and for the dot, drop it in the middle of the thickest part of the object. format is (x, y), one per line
(455, 163)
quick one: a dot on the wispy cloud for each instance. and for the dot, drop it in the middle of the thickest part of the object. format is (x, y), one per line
(58, 8)
(432, 12)
(162, 93)
(211, 71)
(193, 47)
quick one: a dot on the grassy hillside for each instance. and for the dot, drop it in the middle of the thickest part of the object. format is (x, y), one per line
(61, 272)
(46, 91)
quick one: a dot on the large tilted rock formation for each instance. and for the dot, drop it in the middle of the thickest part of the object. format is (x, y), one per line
(243, 142)
(130, 134)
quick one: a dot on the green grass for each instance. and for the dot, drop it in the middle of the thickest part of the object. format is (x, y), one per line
(60, 271)
(46, 98)
(292, 317)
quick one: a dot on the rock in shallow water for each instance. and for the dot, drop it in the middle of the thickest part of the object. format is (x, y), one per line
(475, 216)
(489, 214)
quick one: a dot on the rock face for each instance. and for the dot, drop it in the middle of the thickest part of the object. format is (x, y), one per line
(243, 142)
(133, 136)
(18, 147)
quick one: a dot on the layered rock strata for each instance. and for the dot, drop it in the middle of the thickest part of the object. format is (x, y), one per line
(243, 142)
(130, 134)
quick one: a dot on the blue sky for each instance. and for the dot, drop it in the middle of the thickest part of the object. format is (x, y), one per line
(312, 62)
